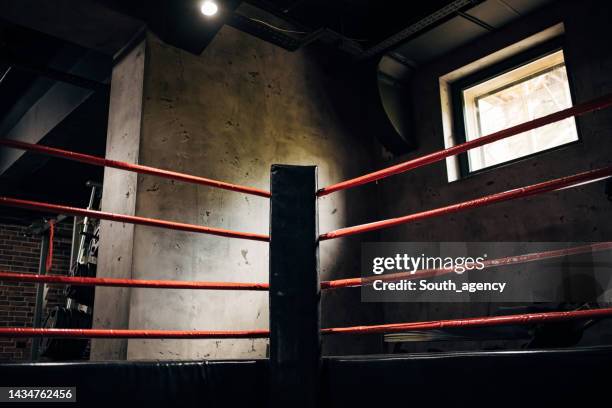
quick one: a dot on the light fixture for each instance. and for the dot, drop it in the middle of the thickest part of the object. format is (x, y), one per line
(209, 8)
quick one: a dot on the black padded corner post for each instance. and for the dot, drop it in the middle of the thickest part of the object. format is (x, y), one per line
(295, 340)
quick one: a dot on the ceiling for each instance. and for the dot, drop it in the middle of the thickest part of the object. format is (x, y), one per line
(463, 27)
(177, 22)
(366, 21)
(414, 32)
(59, 54)
(364, 29)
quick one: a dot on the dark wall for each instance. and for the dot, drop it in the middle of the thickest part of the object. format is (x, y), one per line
(579, 214)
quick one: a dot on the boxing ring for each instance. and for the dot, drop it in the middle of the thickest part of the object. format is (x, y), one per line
(296, 374)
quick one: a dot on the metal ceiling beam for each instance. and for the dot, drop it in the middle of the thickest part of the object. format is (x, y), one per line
(52, 107)
(267, 33)
(476, 21)
(46, 113)
(6, 72)
(271, 34)
(54, 74)
(418, 27)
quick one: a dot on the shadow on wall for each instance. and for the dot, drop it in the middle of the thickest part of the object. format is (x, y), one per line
(368, 101)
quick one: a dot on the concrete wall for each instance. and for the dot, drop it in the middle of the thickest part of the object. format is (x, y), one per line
(115, 254)
(229, 114)
(580, 214)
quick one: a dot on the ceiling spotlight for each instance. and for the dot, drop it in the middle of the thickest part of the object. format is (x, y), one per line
(209, 8)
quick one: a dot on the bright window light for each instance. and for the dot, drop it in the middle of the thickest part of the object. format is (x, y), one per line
(209, 8)
(528, 92)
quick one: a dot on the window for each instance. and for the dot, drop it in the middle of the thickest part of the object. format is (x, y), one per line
(516, 91)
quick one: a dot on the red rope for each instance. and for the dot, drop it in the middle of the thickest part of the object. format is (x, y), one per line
(130, 219)
(427, 273)
(546, 186)
(136, 168)
(593, 105)
(519, 319)
(133, 283)
(49, 260)
(133, 334)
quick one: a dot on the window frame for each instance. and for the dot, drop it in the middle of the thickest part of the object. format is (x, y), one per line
(485, 74)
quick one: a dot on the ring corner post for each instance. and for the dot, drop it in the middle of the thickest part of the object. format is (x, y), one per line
(295, 324)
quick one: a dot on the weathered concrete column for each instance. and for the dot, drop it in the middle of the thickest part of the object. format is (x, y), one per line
(227, 114)
(115, 256)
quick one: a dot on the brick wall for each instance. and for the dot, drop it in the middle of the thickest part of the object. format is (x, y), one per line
(19, 253)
